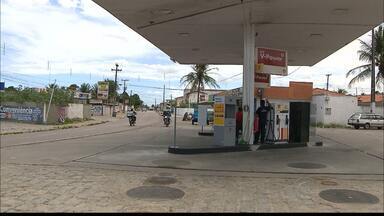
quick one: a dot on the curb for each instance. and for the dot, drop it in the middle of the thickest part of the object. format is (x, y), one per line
(61, 127)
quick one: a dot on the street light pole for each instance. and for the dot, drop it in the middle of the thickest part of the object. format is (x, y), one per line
(114, 104)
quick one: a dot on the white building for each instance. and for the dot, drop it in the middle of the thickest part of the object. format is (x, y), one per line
(332, 107)
(205, 95)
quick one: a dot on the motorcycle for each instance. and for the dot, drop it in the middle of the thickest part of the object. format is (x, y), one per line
(167, 121)
(132, 120)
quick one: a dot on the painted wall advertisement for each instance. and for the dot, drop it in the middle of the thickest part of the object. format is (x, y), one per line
(218, 110)
(96, 110)
(21, 113)
(102, 90)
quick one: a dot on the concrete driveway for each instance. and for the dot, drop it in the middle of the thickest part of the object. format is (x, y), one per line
(370, 141)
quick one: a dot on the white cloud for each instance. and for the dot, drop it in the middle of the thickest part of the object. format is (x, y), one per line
(66, 37)
(69, 3)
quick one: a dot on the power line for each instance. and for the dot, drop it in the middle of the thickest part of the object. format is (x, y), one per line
(230, 77)
(23, 80)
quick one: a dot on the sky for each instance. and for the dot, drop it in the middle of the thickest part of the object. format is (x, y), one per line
(76, 41)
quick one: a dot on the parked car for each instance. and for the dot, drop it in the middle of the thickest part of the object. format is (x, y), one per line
(195, 116)
(366, 120)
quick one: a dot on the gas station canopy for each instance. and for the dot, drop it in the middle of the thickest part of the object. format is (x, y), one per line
(211, 31)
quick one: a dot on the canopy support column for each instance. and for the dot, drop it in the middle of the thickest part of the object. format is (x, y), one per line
(248, 78)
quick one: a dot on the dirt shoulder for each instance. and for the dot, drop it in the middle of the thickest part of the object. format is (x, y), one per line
(10, 127)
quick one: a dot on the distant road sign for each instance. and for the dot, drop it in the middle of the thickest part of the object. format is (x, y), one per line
(2, 86)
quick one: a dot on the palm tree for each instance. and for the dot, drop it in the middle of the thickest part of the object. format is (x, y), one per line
(198, 78)
(94, 90)
(85, 88)
(365, 71)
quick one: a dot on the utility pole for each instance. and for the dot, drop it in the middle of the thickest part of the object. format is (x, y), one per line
(164, 97)
(114, 104)
(373, 94)
(130, 99)
(50, 101)
(125, 88)
(328, 80)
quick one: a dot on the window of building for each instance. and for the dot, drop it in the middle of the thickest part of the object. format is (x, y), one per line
(328, 111)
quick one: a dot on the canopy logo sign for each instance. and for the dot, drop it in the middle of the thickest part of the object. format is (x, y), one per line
(271, 61)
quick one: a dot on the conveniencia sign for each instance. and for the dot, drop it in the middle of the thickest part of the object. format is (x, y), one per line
(20, 113)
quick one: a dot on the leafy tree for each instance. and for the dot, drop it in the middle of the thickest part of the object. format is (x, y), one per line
(124, 96)
(342, 91)
(135, 101)
(10, 88)
(73, 87)
(364, 71)
(94, 88)
(111, 90)
(198, 78)
(85, 88)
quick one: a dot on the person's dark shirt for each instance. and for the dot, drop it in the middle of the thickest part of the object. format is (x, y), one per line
(262, 112)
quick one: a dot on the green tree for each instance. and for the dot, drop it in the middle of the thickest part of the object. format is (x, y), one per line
(135, 100)
(85, 88)
(342, 91)
(94, 88)
(73, 87)
(364, 71)
(111, 90)
(198, 78)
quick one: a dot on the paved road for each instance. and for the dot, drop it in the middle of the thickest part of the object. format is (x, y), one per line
(94, 173)
(370, 141)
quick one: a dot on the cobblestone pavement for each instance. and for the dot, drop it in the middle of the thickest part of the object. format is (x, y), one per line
(47, 188)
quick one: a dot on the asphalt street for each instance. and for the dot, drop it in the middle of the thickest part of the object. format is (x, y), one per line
(91, 169)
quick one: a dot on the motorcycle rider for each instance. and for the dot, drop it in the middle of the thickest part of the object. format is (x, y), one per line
(131, 114)
(166, 113)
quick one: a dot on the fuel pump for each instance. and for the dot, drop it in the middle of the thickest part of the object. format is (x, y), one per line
(277, 128)
(225, 120)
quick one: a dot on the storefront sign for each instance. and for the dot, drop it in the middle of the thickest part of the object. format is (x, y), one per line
(102, 90)
(271, 61)
(82, 96)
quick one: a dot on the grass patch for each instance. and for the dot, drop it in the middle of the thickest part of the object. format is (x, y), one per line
(332, 125)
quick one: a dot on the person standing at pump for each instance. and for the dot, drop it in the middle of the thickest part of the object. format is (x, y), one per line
(256, 131)
(262, 112)
(239, 122)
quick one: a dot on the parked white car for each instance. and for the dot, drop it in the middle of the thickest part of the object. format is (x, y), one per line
(366, 120)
